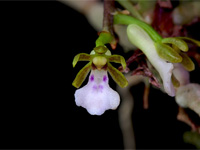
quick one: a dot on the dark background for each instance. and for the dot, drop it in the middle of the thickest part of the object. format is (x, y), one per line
(37, 108)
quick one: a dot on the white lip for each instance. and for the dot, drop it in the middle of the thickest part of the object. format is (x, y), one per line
(97, 96)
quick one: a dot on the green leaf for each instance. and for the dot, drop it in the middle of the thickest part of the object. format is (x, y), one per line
(190, 40)
(117, 59)
(167, 53)
(117, 76)
(187, 62)
(182, 45)
(81, 57)
(80, 77)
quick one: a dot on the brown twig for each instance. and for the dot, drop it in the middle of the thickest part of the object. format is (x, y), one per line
(109, 8)
(183, 116)
(146, 95)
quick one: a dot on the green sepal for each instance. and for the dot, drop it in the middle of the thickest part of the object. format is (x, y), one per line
(82, 74)
(117, 76)
(176, 48)
(187, 62)
(190, 40)
(182, 45)
(117, 59)
(167, 53)
(81, 57)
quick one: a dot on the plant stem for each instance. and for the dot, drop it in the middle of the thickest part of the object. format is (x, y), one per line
(128, 5)
(126, 20)
(109, 7)
(107, 34)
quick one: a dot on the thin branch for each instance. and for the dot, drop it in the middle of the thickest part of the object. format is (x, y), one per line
(125, 111)
(109, 8)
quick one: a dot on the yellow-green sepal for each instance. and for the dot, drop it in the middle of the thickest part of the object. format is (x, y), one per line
(187, 62)
(117, 59)
(82, 74)
(190, 40)
(81, 57)
(167, 53)
(181, 44)
(117, 76)
(176, 48)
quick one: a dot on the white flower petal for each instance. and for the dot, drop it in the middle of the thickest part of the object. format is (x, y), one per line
(97, 96)
(143, 41)
(181, 74)
(188, 95)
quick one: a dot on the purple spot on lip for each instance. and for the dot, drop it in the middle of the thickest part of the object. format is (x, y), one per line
(94, 87)
(97, 88)
(100, 87)
(104, 78)
(92, 78)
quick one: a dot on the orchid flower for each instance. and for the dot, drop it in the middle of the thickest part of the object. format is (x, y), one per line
(142, 40)
(97, 96)
(187, 94)
(161, 52)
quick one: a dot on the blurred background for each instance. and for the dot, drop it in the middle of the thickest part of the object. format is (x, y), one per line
(37, 106)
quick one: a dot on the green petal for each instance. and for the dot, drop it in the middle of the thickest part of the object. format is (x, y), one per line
(190, 40)
(117, 76)
(80, 77)
(81, 57)
(167, 53)
(176, 48)
(117, 59)
(182, 45)
(187, 62)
